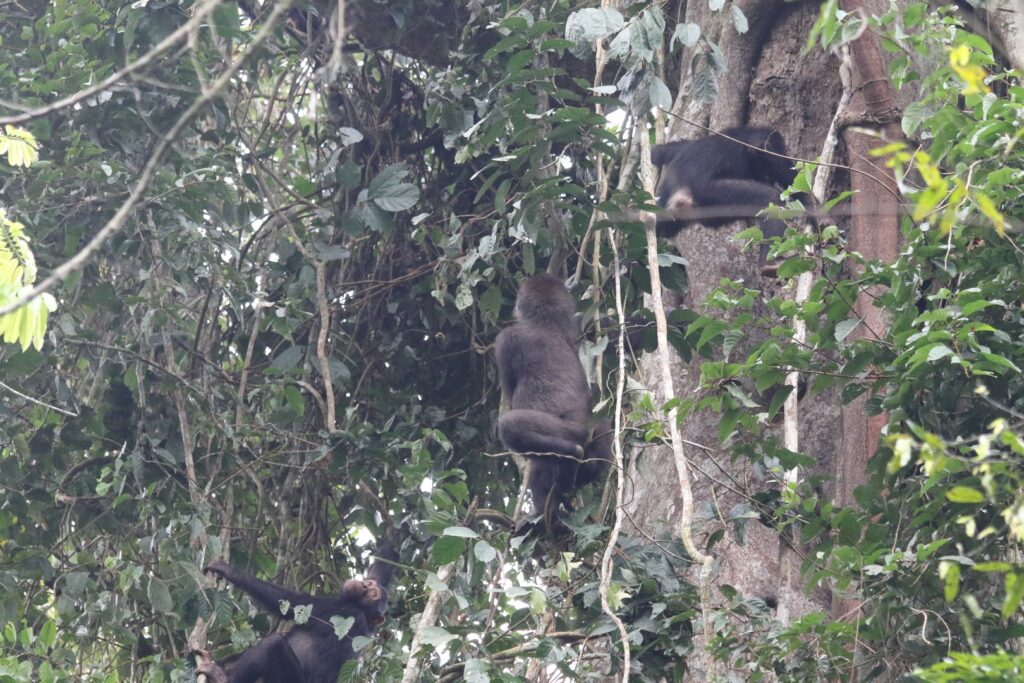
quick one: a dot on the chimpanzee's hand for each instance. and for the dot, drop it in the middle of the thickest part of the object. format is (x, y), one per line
(218, 568)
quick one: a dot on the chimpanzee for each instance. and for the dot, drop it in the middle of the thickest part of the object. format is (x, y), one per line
(722, 173)
(549, 419)
(310, 652)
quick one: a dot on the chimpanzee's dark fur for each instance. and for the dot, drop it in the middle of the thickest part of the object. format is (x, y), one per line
(310, 652)
(722, 173)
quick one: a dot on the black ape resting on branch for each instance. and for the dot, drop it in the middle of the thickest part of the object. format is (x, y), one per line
(549, 419)
(310, 652)
(739, 176)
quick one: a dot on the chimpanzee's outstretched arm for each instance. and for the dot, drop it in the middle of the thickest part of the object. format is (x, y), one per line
(267, 595)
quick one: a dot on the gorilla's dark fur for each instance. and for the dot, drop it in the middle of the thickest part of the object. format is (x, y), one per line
(549, 418)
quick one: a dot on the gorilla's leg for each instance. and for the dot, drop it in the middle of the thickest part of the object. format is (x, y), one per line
(534, 431)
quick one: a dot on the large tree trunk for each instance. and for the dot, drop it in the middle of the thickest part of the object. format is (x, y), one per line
(769, 83)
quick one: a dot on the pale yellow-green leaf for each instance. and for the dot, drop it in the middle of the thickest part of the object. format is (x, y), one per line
(929, 170)
(17, 264)
(46, 305)
(20, 146)
(991, 212)
(617, 596)
(26, 326)
(10, 325)
(971, 74)
(538, 601)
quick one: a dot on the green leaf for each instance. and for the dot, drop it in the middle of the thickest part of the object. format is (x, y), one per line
(792, 267)
(993, 567)
(399, 198)
(160, 596)
(289, 358)
(844, 328)
(538, 601)
(659, 94)
(294, 398)
(435, 637)
(1014, 584)
(484, 551)
(687, 34)
(226, 19)
(938, 351)
(48, 634)
(585, 26)
(447, 549)
(20, 146)
(913, 117)
(964, 494)
(388, 191)
(349, 136)
(727, 423)
(342, 625)
(475, 671)
(739, 19)
(305, 187)
(348, 175)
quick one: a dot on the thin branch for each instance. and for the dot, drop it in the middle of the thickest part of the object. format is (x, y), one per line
(668, 392)
(334, 66)
(822, 178)
(321, 342)
(609, 550)
(187, 444)
(37, 401)
(431, 611)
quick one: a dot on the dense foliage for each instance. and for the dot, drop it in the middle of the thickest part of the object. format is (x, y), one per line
(282, 355)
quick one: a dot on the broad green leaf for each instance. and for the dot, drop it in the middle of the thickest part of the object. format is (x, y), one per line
(484, 551)
(435, 637)
(592, 23)
(342, 625)
(447, 549)
(964, 494)
(160, 596)
(687, 34)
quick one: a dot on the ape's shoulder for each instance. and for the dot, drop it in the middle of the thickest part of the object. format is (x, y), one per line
(508, 339)
(520, 334)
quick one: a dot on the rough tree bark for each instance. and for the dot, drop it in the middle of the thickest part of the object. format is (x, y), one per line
(768, 83)
(874, 232)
